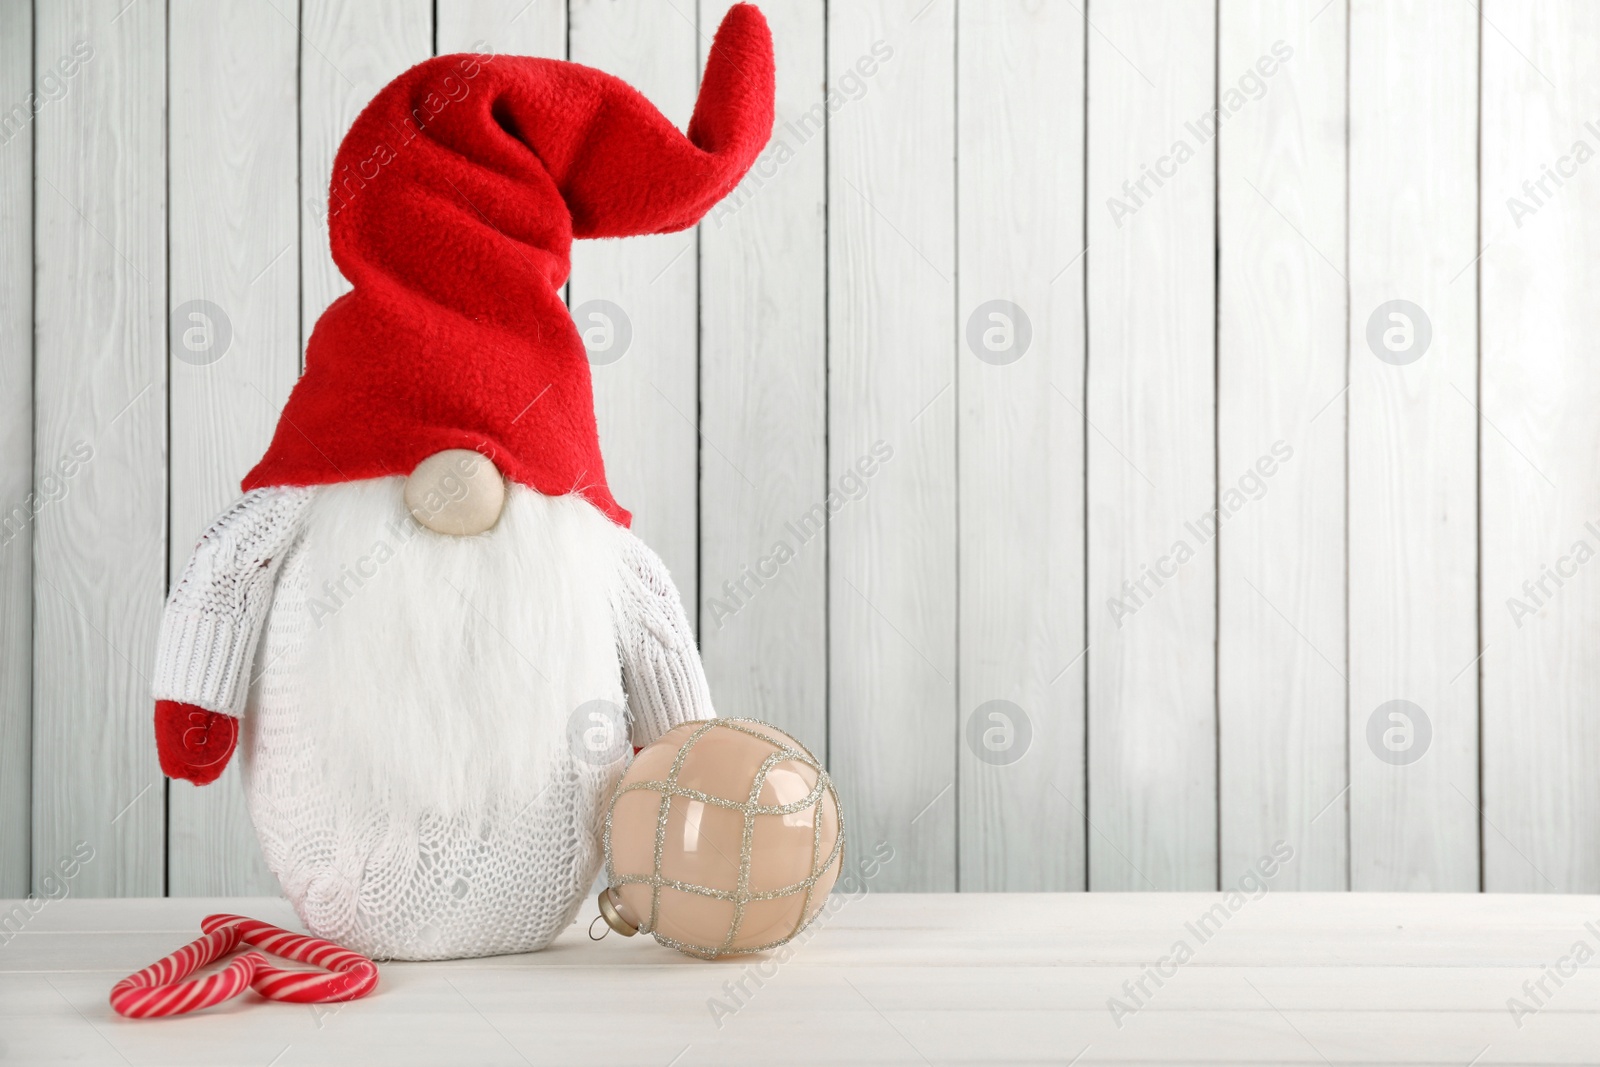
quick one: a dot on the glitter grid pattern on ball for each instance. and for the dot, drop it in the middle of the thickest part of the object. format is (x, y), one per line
(724, 837)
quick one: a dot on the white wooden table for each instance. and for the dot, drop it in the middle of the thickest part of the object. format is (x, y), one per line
(894, 979)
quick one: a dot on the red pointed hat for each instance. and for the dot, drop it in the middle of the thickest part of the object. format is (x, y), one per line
(454, 202)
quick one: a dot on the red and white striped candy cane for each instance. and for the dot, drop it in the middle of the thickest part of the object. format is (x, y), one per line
(163, 988)
(160, 989)
(348, 975)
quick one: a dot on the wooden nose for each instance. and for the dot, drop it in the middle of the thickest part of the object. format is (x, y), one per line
(456, 492)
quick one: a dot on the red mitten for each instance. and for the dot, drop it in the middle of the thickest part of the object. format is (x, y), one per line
(194, 744)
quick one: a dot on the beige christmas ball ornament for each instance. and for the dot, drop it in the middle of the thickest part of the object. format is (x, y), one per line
(724, 837)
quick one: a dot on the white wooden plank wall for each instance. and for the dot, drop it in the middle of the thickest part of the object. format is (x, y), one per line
(1413, 447)
(642, 293)
(1150, 408)
(764, 396)
(1280, 385)
(16, 448)
(892, 725)
(100, 437)
(502, 27)
(1020, 391)
(349, 49)
(1541, 519)
(232, 251)
(1022, 297)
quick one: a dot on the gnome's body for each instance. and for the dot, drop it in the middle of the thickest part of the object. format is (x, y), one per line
(426, 623)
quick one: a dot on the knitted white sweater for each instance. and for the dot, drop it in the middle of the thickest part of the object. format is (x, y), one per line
(427, 729)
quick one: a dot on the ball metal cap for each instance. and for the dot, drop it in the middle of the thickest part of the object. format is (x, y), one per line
(613, 917)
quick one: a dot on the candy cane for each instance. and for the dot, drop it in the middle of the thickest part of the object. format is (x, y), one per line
(348, 975)
(160, 988)
(164, 987)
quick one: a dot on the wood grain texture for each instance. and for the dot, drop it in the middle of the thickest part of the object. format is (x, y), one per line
(646, 397)
(891, 367)
(899, 979)
(349, 49)
(1541, 500)
(100, 548)
(1152, 713)
(506, 27)
(763, 404)
(1413, 447)
(1020, 391)
(234, 239)
(1185, 317)
(16, 444)
(1281, 381)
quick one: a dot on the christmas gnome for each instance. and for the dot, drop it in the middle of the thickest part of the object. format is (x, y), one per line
(427, 588)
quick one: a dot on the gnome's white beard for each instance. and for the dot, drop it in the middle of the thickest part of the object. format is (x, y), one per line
(407, 755)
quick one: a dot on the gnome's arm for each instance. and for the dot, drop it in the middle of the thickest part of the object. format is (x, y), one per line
(661, 668)
(210, 628)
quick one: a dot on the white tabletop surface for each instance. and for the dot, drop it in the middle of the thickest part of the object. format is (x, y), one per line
(894, 979)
